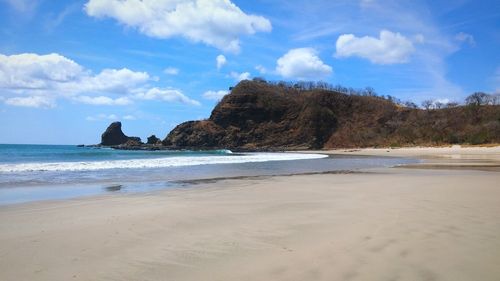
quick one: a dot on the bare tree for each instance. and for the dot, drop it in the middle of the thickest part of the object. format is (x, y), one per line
(477, 98)
(369, 91)
(428, 104)
(438, 105)
(496, 99)
(410, 104)
(493, 99)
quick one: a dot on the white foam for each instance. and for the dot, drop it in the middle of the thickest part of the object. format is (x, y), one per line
(157, 162)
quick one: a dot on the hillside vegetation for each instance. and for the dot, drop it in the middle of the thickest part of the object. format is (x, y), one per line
(258, 115)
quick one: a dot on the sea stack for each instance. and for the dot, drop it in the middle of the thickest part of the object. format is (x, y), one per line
(114, 135)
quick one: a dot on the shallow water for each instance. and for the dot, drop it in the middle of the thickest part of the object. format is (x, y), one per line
(32, 173)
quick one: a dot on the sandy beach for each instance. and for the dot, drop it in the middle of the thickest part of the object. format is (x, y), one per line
(405, 223)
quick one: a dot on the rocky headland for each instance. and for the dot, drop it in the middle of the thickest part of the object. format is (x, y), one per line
(257, 115)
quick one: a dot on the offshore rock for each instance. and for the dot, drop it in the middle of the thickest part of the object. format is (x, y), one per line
(114, 136)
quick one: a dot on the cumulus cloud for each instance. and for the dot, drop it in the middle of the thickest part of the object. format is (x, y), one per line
(465, 38)
(112, 80)
(170, 95)
(221, 61)
(171, 71)
(215, 95)
(302, 64)
(240, 76)
(103, 100)
(389, 48)
(217, 23)
(53, 72)
(31, 71)
(33, 101)
(39, 80)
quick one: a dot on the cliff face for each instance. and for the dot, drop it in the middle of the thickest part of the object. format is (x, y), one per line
(257, 115)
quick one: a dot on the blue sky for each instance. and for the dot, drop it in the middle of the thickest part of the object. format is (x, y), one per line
(69, 68)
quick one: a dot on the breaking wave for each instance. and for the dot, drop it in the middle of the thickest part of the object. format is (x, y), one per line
(177, 161)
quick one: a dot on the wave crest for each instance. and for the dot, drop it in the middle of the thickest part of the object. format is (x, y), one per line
(157, 162)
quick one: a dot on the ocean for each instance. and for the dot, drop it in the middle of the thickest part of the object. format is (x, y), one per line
(50, 172)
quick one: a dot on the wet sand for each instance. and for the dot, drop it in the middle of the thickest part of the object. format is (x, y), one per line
(382, 224)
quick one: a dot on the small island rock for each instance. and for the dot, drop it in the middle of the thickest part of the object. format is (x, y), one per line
(114, 136)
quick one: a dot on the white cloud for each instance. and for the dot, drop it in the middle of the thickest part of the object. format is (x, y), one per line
(103, 100)
(109, 117)
(100, 117)
(32, 72)
(302, 64)
(426, 76)
(443, 101)
(39, 80)
(389, 48)
(171, 71)
(261, 69)
(170, 95)
(240, 76)
(56, 73)
(221, 61)
(466, 38)
(32, 101)
(217, 23)
(215, 95)
(53, 21)
(129, 117)
(113, 80)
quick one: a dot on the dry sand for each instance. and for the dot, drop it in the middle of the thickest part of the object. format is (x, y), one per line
(436, 156)
(384, 224)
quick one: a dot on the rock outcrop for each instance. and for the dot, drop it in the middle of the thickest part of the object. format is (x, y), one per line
(153, 140)
(114, 136)
(257, 115)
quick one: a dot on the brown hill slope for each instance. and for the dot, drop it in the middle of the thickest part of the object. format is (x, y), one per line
(257, 115)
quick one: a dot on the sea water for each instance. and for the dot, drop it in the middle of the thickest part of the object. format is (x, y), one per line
(40, 172)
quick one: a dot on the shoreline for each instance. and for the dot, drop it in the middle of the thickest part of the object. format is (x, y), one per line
(65, 185)
(452, 157)
(380, 224)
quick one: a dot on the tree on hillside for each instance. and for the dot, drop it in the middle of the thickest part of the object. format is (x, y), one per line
(369, 91)
(477, 98)
(410, 104)
(427, 104)
(438, 105)
(494, 99)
